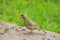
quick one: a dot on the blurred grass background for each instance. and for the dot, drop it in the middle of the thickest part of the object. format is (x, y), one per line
(46, 13)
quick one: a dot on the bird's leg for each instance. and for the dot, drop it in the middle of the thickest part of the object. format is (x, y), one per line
(29, 32)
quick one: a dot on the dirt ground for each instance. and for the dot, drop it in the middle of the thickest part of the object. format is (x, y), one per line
(13, 32)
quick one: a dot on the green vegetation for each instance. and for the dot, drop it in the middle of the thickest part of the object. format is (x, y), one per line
(45, 13)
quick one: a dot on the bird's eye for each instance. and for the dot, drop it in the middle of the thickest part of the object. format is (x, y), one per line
(21, 15)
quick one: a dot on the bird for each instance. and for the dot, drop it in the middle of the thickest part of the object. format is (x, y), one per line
(29, 24)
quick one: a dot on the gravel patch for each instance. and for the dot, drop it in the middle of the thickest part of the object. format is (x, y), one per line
(10, 31)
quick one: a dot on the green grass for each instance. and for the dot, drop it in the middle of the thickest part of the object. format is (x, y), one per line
(45, 14)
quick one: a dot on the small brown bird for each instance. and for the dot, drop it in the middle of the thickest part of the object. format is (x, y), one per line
(29, 23)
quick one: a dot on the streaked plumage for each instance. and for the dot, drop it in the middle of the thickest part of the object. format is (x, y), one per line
(29, 23)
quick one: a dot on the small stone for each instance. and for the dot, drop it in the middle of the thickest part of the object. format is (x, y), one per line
(48, 39)
(54, 36)
(1, 33)
(43, 39)
(23, 29)
(6, 30)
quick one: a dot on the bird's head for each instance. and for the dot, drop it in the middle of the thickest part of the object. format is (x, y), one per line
(23, 15)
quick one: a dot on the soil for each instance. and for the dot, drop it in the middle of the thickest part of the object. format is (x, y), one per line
(10, 31)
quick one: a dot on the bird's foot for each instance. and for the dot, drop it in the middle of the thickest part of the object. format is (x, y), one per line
(28, 33)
